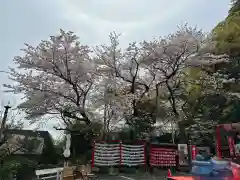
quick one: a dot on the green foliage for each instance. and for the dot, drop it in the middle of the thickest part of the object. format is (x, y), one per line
(7, 170)
(26, 169)
(217, 107)
(227, 35)
(59, 148)
(82, 136)
(17, 166)
(49, 154)
(140, 125)
(235, 6)
(205, 106)
(227, 38)
(192, 86)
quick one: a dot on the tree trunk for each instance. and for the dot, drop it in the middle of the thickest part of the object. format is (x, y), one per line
(104, 122)
(157, 101)
(182, 135)
(173, 133)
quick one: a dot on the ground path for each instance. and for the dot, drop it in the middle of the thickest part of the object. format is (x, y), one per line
(123, 176)
(129, 177)
(133, 177)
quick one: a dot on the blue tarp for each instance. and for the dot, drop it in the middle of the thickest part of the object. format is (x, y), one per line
(211, 168)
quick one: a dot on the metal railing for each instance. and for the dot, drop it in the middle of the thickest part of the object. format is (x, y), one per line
(49, 174)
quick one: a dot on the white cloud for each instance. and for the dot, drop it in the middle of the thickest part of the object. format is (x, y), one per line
(123, 12)
(124, 16)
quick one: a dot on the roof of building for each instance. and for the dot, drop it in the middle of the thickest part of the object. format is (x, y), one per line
(37, 141)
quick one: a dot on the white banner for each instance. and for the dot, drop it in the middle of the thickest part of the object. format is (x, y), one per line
(106, 154)
(106, 164)
(104, 145)
(133, 146)
(107, 158)
(108, 151)
(133, 155)
(109, 154)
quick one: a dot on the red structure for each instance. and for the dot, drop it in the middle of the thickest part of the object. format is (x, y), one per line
(163, 157)
(194, 152)
(231, 130)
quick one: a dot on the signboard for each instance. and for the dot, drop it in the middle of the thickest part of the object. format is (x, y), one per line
(183, 154)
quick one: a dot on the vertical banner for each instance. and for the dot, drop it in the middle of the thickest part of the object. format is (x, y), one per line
(231, 145)
(218, 142)
(183, 154)
(194, 152)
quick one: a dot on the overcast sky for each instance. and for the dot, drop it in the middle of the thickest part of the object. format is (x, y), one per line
(29, 21)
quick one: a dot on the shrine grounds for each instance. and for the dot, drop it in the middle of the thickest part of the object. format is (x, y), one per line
(134, 177)
(130, 177)
(159, 175)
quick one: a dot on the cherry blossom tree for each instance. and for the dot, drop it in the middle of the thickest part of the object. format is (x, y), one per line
(168, 60)
(106, 105)
(127, 82)
(55, 77)
(124, 70)
(62, 77)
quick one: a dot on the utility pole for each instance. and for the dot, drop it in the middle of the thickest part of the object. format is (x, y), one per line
(4, 122)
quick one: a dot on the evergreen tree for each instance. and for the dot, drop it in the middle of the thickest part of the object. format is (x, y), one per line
(235, 6)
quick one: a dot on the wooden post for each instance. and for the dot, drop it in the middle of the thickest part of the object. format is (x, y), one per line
(218, 142)
(93, 153)
(4, 122)
(189, 154)
(145, 158)
(120, 153)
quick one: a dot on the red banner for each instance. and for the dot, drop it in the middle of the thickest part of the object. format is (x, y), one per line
(194, 152)
(163, 157)
(231, 145)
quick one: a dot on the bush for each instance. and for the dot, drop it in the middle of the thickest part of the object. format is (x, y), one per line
(22, 168)
(8, 169)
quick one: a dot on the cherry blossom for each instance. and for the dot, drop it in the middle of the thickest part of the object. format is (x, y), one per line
(61, 76)
(56, 73)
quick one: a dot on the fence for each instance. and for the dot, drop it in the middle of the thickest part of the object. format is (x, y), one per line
(115, 153)
(49, 174)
